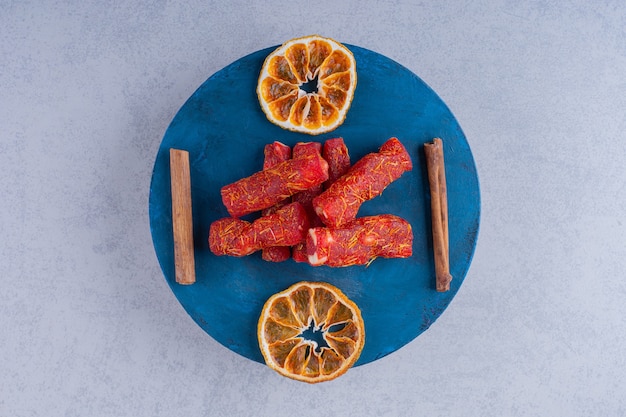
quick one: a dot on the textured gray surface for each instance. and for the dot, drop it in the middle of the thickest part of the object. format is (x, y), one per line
(88, 325)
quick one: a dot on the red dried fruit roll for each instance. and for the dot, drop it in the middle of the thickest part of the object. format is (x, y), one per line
(275, 153)
(367, 178)
(235, 237)
(307, 150)
(360, 242)
(302, 150)
(335, 152)
(265, 188)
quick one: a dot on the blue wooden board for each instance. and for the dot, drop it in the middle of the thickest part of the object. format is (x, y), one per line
(224, 130)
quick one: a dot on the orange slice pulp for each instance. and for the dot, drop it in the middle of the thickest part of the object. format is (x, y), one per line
(307, 84)
(288, 319)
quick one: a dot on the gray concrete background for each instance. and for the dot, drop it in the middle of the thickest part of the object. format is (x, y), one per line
(88, 326)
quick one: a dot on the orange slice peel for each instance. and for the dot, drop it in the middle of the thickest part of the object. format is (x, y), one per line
(290, 317)
(307, 84)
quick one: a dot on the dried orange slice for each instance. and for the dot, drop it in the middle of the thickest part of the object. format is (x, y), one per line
(307, 84)
(311, 332)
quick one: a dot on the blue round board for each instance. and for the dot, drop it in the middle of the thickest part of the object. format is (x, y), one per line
(224, 129)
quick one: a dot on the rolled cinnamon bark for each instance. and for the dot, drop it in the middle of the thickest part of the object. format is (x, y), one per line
(182, 220)
(439, 212)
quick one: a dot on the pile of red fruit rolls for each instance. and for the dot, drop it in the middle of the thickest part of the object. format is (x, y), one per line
(309, 198)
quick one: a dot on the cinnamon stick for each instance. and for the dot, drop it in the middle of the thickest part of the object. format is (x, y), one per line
(182, 221)
(439, 212)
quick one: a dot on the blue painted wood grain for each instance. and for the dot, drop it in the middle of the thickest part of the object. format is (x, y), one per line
(224, 130)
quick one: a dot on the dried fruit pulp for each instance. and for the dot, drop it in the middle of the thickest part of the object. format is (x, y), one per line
(307, 84)
(322, 307)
